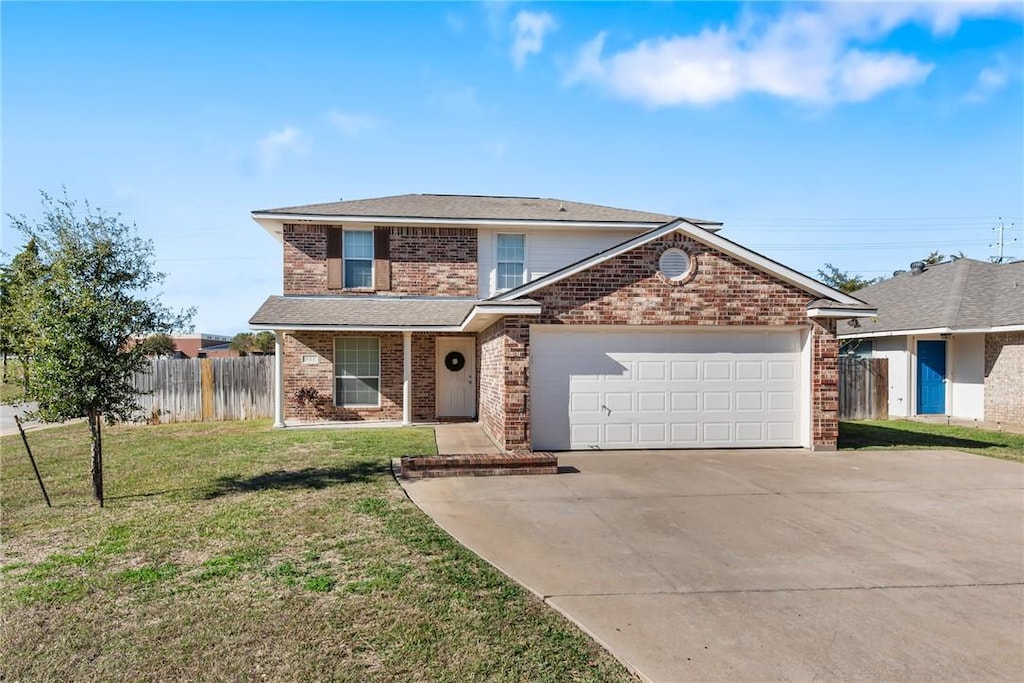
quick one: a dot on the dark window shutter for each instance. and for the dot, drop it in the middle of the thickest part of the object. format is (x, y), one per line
(381, 258)
(334, 258)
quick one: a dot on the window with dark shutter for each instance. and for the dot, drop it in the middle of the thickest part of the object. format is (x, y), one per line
(358, 259)
(334, 258)
(381, 258)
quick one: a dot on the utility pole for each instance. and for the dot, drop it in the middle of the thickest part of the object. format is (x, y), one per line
(1001, 243)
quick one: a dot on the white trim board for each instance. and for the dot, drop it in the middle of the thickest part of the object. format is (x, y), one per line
(932, 330)
(274, 223)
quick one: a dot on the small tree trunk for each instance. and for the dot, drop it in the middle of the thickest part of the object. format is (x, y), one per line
(95, 423)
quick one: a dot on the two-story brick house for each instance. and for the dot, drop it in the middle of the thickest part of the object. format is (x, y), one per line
(558, 325)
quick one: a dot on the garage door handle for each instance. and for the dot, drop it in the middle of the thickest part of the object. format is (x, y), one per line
(604, 407)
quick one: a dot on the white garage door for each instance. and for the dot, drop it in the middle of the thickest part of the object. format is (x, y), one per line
(655, 389)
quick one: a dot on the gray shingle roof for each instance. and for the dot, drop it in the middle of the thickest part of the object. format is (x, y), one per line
(962, 294)
(448, 206)
(829, 304)
(368, 311)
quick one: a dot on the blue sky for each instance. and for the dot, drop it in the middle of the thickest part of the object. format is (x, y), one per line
(859, 134)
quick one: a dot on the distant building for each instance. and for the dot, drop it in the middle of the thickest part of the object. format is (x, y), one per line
(200, 346)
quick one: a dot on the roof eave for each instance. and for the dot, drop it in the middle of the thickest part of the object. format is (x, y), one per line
(479, 318)
(270, 221)
(932, 330)
(842, 313)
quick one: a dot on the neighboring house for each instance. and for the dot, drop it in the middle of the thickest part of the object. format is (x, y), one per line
(201, 345)
(558, 325)
(954, 336)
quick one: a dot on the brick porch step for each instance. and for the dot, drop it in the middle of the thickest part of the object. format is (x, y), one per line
(477, 465)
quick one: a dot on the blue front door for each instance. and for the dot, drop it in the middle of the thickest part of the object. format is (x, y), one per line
(931, 376)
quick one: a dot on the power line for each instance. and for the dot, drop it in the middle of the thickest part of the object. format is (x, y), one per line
(1001, 243)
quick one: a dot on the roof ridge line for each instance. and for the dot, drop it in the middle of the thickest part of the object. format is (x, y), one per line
(958, 294)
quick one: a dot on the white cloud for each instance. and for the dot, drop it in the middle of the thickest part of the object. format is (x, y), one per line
(271, 146)
(351, 124)
(942, 17)
(804, 54)
(862, 75)
(528, 31)
(989, 81)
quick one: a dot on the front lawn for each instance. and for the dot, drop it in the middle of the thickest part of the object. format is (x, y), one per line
(232, 551)
(907, 434)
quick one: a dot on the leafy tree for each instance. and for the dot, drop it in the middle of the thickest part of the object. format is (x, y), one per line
(265, 343)
(16, 277)
(842, 280)
(159, 344)
(243, 343)
(933, 258)
(94, 297)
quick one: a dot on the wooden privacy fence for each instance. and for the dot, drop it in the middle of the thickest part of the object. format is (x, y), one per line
(863, 388)
(207, 389)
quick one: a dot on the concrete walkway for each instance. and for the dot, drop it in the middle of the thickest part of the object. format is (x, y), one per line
(458, 438)
(766, 565)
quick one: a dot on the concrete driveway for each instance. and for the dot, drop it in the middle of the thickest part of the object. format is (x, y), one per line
(766, 565)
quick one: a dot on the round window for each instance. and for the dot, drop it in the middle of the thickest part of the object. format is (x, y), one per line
(674, 264)
(455, 361)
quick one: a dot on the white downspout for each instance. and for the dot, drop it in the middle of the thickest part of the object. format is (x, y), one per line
(406, 378)
(279, 379)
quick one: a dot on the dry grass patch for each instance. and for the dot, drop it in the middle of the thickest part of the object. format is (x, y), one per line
(233, 551)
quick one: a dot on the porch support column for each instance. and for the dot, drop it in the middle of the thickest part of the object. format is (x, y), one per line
(406, 378)
(278, 379)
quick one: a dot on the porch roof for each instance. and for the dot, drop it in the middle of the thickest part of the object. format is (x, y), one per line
(384, 313)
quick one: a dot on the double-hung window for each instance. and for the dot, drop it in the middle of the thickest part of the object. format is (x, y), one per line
(358, 253)
(357, 372)
(511, 261)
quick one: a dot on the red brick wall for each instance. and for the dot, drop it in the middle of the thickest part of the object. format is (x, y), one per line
(321, 377)
(491, 380)
(628, 290)
(305, 259)
(424, 261)
(1004, 377)
(824, 385)
(434, 261)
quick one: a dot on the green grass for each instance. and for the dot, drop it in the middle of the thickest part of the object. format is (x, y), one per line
(907, 434)
(233, 551)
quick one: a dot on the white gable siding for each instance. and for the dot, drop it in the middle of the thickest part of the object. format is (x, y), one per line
(968, 374)
(546, 250)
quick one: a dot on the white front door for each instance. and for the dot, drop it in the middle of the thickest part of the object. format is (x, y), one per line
(456, 377)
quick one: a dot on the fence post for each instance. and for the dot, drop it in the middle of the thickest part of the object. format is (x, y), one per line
(206, 389)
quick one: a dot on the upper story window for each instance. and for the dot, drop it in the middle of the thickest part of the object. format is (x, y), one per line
(358, 254)
(511, 261)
